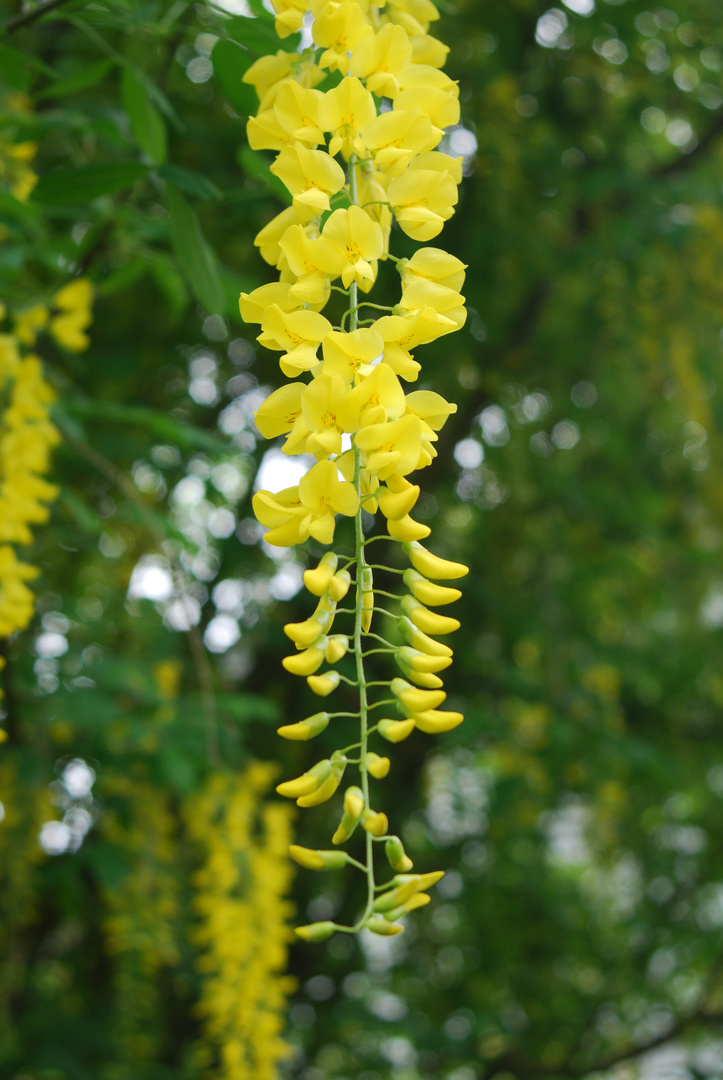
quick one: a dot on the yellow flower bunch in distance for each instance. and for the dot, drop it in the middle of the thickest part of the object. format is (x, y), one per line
(242, 928)
(27, 437)
(355, 122)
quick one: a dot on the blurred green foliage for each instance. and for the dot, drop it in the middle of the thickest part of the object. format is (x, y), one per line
(578, 808)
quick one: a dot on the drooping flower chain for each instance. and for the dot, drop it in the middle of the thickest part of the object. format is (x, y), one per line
(353, 158)
(27, 437)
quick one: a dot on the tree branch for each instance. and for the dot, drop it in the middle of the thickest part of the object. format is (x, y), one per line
(27, 17)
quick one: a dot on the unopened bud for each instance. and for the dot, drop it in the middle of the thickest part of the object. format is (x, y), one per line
(318, 931)
(430, 622)
(317, 580)
(398, 858)
(375, 823)
(318, 860)
(305, 729)
(339, 585)
(432, 566)
(427, 591)
(413, 699)
(395, 731)
(376, 765)
(337, 647)
(383, 928)
(324, 684)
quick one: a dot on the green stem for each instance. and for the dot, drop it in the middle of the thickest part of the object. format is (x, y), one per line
(358, 608)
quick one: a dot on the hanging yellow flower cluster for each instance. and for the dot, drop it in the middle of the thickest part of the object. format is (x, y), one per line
(27, 437)
(354, 159)
(142, 911)
(243, 928)
(16, 174)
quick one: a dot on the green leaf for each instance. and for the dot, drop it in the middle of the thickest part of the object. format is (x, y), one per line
(195, 256)
(14, 68)
(229, 64)
(192, 183)
(161, 425)
(75, 187)
(12, 209)
(257, 36)
(147, 123)
(256, 165)
(261, 12)
(88, 76)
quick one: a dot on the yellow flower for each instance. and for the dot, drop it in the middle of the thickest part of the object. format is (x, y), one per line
(440, 105)
(393, 447)
(289, 15)
(322, 491)
(379, 396)
(396, 136)
(422, 200)
(414, 15)
(253, 305)
(338, 28)
(313, 261)
(443, 306)
(435, 265)
(278, 413)
(359, 242)
(74, 301)
(379, 59)
(311, 176)
(269, 239)
(299, 333)
(328, 409)
(27, 324)
(402, 333)
(269, 73)
(348, 109)
(351, 355)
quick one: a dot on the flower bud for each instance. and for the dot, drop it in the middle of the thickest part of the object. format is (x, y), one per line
(420, 640)
(420, 678)
(428, 621)
(318, 931)
(318, 860)
(323, 793)
(367, 587)
(308, 661)
(431, 565)
(375, 823)
(395, 731)
(413, 699)
(399, 895)
(398, 858)
(305, 729)
(354, 802)
(307, 783)
(338, 646)
(421, 661)
(353, 809)
(317, 580)
(396, 505)
(305, 633)
(427, 592)
(339, 585)
(424, 881)
(414, 902)
(383, 928)
(432, 722)
(407, 529)
(376, 765)
(322, 685)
